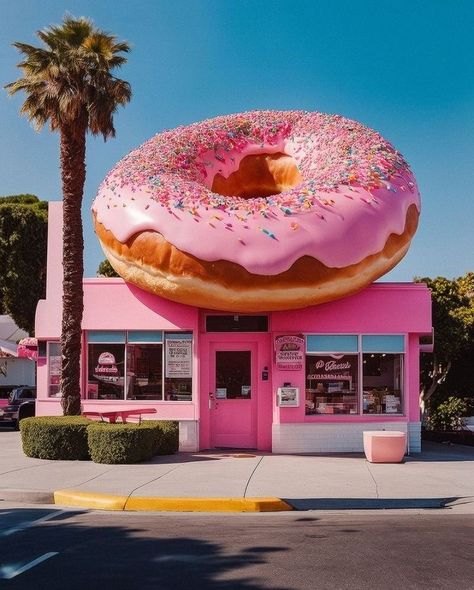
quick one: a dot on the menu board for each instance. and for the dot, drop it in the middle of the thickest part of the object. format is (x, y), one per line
(178, 358)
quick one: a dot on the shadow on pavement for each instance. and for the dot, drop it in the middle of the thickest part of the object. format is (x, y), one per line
(13, 520)
(368, 503)
(214, 455)
(178, 458)
(104, 555)
(440, 452)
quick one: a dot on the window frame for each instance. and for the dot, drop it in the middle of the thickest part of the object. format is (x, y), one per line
(145, 341)
(360, 384)
(332, 354)
(49, 343)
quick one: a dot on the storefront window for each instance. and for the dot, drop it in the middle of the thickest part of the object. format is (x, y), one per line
(233, 374)
(144, 371)
(54, 369)
(382, 383)
(106, 371)
(334, 381)
(332, 384)
(178, 367)
(138, 365)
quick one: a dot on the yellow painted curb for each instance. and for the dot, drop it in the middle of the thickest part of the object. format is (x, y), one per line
(112, 502)
(90, 500)
(208, 504)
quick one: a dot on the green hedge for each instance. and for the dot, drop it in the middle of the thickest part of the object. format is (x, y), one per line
(55, 437)
(131, 443)
(76, 438)
(167, 441)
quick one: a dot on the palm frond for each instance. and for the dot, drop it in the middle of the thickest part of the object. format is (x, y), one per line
(70, 76)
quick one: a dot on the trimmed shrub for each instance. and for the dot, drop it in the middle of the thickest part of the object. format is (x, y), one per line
(131, 443)
(55, 437)
(167, 441)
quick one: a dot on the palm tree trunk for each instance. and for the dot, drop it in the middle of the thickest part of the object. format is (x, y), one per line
(73, 173)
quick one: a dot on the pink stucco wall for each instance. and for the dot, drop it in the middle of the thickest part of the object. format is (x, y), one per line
(382, 308)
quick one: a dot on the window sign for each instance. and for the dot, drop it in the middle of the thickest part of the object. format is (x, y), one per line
(392, 404)
(106, 369)
(179, 358)
(105, 378)
(289, 352)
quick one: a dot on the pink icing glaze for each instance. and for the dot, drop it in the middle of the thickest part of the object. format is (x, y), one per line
(355, 192)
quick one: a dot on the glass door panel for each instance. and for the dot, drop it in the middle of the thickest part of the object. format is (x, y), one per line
(233, 374)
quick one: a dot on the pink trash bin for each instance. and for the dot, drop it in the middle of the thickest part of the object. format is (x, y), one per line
(385, 446)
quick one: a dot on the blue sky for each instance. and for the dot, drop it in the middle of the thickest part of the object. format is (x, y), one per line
(404, 68)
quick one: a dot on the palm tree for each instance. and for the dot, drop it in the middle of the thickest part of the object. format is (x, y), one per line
(68, 83)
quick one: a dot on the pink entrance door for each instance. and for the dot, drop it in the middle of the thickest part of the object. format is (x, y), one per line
(233, 395)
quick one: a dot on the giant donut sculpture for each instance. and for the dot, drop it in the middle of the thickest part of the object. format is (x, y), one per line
(258, 211)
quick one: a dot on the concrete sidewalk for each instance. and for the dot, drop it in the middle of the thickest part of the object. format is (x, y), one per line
(442, 475)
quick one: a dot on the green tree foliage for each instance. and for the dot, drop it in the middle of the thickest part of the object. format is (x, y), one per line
(459, 380)
(444, 372)
(106, 269)
(448, 415)
(23, 239)
(69, 84)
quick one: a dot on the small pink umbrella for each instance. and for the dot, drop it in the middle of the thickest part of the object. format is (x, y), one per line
(28, 348)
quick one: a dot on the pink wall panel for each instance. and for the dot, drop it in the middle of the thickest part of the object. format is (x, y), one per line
(380, 308)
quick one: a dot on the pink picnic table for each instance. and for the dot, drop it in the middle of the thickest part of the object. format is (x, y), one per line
(113, 415)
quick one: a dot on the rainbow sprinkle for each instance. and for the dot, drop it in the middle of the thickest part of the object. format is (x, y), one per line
(330, 152)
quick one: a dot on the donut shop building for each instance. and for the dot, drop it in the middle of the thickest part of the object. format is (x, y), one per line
(300, 381)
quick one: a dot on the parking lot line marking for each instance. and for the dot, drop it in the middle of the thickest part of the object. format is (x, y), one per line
(7, 573)
(26, 525)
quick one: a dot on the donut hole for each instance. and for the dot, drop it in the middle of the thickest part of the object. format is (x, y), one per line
(259, 175)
